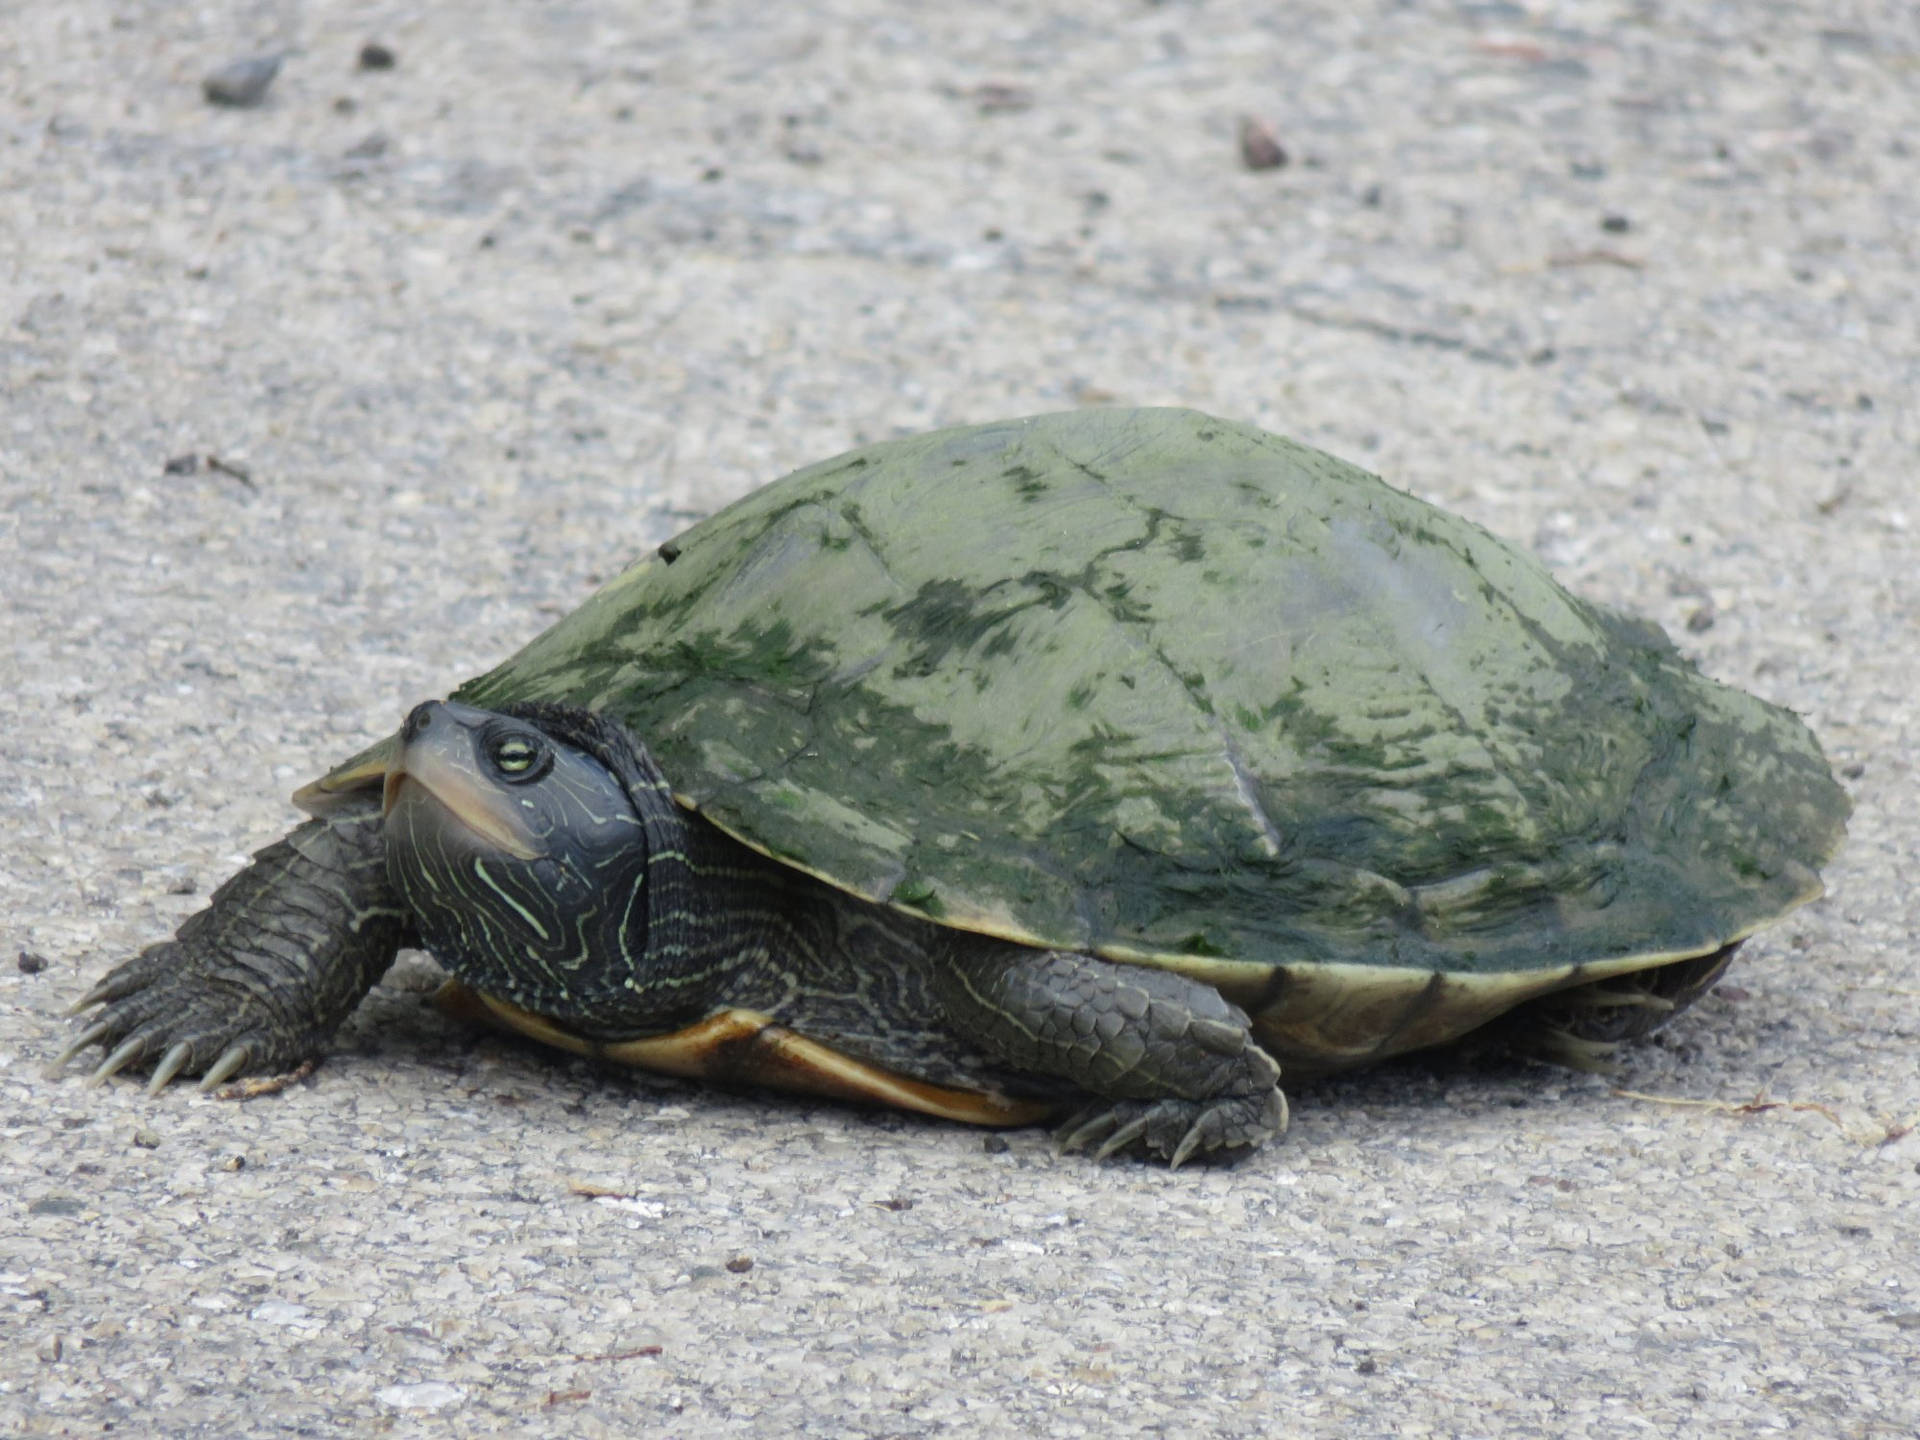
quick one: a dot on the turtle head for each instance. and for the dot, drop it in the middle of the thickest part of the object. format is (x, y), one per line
(519, 843)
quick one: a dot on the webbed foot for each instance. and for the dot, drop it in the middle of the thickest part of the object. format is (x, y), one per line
(1177, 1131)
(1175, 1066)
(260, 979)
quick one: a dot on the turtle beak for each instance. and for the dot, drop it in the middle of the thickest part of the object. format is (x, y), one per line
(436, 767)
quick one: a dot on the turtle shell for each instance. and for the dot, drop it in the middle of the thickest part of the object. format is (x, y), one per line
(1180, 692)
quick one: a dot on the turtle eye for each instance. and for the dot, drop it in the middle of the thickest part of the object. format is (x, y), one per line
(519, 757)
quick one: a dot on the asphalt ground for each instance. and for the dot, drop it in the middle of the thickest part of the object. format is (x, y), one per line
(1634, 286)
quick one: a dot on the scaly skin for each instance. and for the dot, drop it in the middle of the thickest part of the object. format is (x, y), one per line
(1176, 1066)
(260, 979)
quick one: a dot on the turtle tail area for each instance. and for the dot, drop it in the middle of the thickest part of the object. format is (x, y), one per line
(1584, 1027)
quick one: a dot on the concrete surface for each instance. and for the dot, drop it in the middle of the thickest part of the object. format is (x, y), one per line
(481, 327)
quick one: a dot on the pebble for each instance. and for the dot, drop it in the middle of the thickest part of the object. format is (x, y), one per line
(241, 84)
(1260, 148)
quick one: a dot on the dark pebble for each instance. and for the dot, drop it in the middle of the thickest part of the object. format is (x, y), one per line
(740, 1264)
(994, 1144)
(243, 83)
(30, 963)
(375, 56)
(1260, 148)
(1615, 224)
(181, 465)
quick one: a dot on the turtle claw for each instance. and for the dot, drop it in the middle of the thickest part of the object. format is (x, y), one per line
(123, 980)
(85, 1002)
(171, 1064)
(1084, 1128)
(231, 1062)
(1183, 1152)
(1175, 1130)
(92, 1035)
(1123, 1137)
(130, 1050)
(1153, 1125)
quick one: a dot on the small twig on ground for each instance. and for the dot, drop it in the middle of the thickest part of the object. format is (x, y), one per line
(1901, 1130)
(228, 467)
(1759, 1105)
(265, 1084)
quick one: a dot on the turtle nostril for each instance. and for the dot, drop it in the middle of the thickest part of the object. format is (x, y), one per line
(418, 720)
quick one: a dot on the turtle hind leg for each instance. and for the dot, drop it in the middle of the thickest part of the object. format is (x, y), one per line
(261, 978)
(1174, 1068)
(1582, 1028)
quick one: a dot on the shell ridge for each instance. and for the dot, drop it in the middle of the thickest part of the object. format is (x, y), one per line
(1243, 782)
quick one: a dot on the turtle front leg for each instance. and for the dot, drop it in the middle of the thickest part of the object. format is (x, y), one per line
(261, 978)
(1175, 1067)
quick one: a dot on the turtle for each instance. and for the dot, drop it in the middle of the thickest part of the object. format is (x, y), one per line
(1095, 768)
